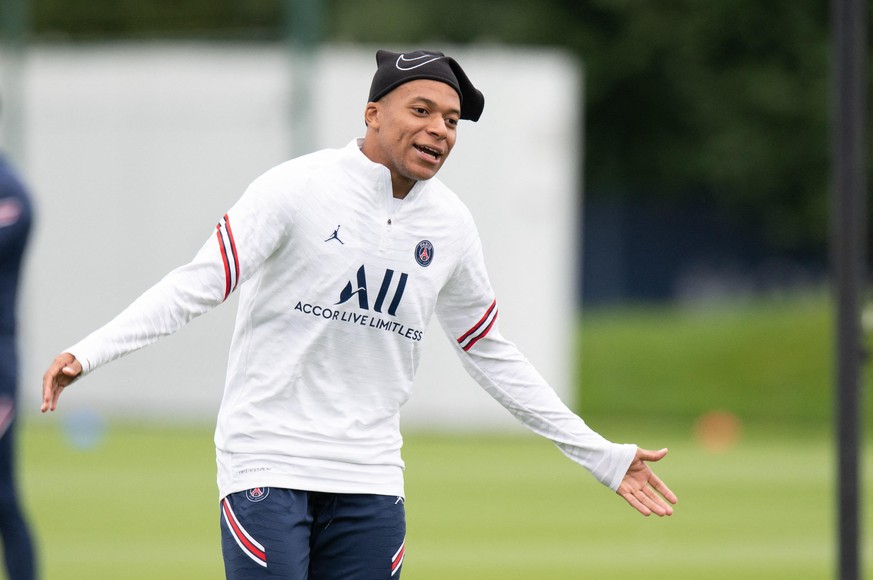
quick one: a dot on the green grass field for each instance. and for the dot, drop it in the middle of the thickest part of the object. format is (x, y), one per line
(768, 360)
(143, 503)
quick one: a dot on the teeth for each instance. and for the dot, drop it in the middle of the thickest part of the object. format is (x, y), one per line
(432, 152)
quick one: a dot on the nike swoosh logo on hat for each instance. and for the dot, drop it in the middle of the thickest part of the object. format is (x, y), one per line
(402, 59)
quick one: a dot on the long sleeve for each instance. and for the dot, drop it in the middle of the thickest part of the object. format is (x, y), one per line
(241, 241)
(181, 296)
(468, 313)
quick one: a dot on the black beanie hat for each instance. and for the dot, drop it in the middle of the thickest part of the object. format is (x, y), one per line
(395, 68)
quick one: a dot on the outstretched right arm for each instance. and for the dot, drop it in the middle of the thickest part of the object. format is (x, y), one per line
(61, 373)
(259, 223)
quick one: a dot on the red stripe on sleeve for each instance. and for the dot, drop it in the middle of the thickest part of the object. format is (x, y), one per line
(482, 335)
(224, 260)
(232, 248)
(478, 324)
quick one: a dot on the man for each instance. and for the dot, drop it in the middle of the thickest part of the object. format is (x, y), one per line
(341, 258)
(15, 221)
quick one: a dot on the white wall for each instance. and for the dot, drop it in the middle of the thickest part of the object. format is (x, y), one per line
(135, 151)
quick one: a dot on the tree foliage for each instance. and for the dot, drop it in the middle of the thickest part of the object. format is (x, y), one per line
(723, 102)
(726, 101)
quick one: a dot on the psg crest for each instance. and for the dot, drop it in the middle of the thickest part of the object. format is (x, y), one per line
(424, 253)
(257, 494)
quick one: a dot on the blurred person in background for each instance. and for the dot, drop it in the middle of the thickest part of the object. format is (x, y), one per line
(15, 222)
(341, 258)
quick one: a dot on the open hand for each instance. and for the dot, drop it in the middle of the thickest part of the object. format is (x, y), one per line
(643, 489)
(64, 370)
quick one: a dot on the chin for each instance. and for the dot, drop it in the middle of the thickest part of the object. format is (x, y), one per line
(418, 175)
(427, 173)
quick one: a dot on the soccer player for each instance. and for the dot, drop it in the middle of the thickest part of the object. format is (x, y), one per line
(341, 257)
(15, 221)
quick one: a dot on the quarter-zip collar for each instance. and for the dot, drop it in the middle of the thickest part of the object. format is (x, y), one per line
(379, 176)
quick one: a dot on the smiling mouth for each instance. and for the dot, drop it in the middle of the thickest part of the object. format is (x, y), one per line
(433, 154)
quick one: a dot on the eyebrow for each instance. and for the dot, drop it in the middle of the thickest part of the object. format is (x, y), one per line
(433, 105)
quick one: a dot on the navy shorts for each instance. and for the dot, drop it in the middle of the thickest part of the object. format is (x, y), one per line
(304, 535)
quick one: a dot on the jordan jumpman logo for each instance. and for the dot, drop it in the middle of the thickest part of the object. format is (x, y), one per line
(335, 236)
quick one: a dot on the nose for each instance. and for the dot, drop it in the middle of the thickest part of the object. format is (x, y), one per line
(438, 127)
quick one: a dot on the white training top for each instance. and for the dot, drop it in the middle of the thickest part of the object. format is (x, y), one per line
(337, 287)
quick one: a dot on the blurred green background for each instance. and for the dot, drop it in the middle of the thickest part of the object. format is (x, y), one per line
(709, 118)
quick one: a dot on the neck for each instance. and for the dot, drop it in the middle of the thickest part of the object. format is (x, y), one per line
(401, 186)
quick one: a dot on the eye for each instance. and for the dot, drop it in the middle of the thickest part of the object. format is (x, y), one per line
(452, 122)
(421, 111)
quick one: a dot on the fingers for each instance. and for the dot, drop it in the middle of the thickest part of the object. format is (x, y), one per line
(637, 504)
(656, 503)
(61, 373)
(662, 488)
(647, 502)
(50, 387)
(644, 490)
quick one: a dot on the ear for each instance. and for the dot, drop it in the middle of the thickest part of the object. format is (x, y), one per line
(371, 115)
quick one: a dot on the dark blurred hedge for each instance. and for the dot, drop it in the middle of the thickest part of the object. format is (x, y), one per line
(88, 20)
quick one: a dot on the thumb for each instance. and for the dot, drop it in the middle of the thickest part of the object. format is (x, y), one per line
(648, 455)
(73, 369)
